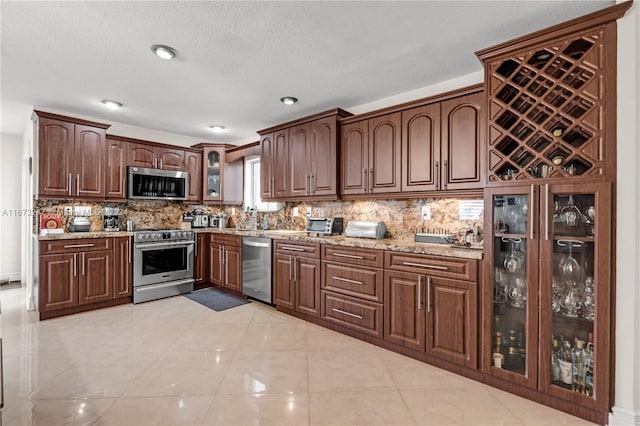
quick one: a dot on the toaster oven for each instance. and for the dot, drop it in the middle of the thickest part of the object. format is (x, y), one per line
(325, 225)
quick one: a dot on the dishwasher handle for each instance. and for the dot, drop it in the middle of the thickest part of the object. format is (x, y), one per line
(255, 244)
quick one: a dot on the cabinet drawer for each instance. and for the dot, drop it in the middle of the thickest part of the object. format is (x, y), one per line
(356, 281)
(296, 248)
(354, 256)
(441, 266)
(67, 246)
(358, 315)
(229, 240)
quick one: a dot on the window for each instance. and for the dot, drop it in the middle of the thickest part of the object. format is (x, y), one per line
(252, 187)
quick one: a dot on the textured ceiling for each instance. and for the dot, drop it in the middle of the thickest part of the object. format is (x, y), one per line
(236, 59)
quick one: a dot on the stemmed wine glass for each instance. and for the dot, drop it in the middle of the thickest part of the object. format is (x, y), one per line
(512, 261)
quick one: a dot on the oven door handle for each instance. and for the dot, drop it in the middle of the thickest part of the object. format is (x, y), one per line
(156, 245)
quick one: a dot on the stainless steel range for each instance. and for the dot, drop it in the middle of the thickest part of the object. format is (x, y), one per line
(162, 263)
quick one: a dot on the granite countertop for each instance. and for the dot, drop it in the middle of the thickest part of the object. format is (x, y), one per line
(77, 235)
(392, 244)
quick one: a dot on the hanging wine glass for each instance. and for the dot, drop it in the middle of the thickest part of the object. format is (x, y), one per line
(569, 267)
(512, 262)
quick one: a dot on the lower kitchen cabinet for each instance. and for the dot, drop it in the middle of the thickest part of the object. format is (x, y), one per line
(201, 269)
(95, 279)
(58, 284)
(351, 312)
(296, 277)
(122, 267)
(82, 274)
(426, 310)
(225, 261)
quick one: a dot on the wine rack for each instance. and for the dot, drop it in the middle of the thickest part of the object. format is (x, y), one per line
(546, 107)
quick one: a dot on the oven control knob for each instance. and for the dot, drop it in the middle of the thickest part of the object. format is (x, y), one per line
(155, 236)
(179, 234)
(142, 237)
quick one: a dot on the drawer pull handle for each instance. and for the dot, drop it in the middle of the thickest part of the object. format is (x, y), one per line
(340, 311)
(421, 265)
(78, 245)
(350, 256)
(291, 248)
(346, 280)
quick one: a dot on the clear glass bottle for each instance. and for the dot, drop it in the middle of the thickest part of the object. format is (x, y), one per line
(555, 366)
(578, 359)
(498, 351)
(588, 367)
(565, 364)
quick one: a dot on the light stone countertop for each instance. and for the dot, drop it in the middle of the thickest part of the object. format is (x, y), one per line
(78, 235)
(392, 244)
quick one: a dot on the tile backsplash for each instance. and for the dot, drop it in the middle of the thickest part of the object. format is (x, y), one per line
(402, 217)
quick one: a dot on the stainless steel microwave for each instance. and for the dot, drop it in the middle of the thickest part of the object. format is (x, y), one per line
(325, 225)
(156, 184)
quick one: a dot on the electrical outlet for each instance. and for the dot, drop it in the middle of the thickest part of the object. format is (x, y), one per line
(68, 211)
(233, 211)
(426, 213)
(296, 212)
(83, 211)
(308, 211)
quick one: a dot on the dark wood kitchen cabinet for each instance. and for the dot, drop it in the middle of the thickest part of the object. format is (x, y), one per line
(122, 267)
(222, 182)
(274, 157)
(431, 304)
(352, 288)
(299, 159)
(442, 145)
(296, 277)
(71, 157)
(462, 142)
(193, 166)
(155, 156)
(371, 162)
(201, 261)
(74, 273)
(225, 262)
(95, 280)
(116, 169)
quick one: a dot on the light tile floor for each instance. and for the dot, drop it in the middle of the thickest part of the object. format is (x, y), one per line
(175, 362)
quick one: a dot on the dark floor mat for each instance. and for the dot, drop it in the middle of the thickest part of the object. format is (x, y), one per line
(216, 299)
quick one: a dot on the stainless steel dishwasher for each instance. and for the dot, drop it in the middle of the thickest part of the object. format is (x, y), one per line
(256, 268)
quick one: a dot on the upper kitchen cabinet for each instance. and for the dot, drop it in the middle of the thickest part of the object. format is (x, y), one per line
(222, 182)
(153, 156)
(193, 165)
(371, 162)
(428, 145)
(71, 157)
(116, 175)
(551, 102)
(299, 159)
(462, 142)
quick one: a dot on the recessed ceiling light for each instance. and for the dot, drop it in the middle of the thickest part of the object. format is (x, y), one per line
(111, 104)
(288, 100)
(216, 128)
(163, 51)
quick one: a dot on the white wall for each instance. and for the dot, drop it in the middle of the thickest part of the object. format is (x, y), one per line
(626, 410)
(10, 206)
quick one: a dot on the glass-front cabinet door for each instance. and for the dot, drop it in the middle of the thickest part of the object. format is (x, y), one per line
(511, 290)
(575, 276)
(213, 182)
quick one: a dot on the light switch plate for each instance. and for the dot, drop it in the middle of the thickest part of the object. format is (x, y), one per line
(426, 213)
(296, 212)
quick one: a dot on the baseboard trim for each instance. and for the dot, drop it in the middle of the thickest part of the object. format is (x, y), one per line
(10, 277)
(623, 417)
